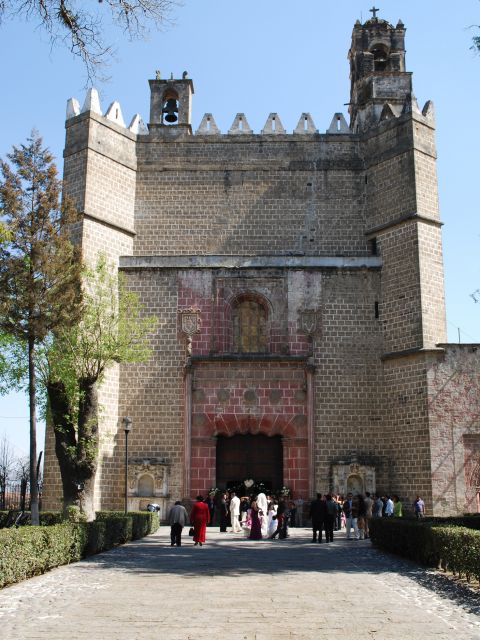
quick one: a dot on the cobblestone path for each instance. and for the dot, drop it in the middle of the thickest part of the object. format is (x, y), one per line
(240, 590)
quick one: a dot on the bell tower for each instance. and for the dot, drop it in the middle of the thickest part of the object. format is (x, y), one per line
(171, 105)
(377, 71)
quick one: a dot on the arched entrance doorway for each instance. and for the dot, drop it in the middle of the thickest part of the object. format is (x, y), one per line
(256, 457)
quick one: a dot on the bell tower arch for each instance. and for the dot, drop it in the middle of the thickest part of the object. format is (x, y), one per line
(171, 104)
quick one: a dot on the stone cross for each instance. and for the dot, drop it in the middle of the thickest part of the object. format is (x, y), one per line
(374, 10)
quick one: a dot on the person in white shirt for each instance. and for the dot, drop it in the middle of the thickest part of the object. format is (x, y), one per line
(389, 507)
(235, 512)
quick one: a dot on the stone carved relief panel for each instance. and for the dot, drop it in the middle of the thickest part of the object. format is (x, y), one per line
(189, 325)
(309, 321)
(148, 472)
(353, 477)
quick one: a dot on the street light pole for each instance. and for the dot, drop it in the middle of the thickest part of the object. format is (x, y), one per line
(127, 425)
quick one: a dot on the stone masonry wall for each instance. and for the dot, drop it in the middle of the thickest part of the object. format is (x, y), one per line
(346, 348)
(295, 195)
(349, 409)
(249, 196)
(152, 393)
(99, 176)
(407, 433)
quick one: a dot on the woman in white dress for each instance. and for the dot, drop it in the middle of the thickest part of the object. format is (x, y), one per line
(262, 512)
(272, 513)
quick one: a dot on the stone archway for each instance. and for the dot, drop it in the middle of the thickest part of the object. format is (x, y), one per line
(258, 457)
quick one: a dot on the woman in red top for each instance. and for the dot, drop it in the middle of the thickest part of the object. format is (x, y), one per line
(199, 518)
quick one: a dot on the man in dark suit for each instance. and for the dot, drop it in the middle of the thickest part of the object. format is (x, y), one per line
(318, 514)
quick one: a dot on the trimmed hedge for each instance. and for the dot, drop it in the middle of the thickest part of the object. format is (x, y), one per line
(431, 543)
(406, 537)
(143, 522)
(96, 538)
(28, 551)
(459, 550)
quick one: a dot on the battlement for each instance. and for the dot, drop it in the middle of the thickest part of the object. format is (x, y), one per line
(240, 125)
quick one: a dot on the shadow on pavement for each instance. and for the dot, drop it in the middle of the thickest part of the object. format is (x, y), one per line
(231, 556)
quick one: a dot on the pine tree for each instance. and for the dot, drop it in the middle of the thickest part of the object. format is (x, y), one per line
(40, 289)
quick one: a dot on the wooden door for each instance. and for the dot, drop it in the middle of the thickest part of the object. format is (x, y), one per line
(257, 457)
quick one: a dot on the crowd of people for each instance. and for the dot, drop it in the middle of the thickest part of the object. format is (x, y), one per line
(263, 516)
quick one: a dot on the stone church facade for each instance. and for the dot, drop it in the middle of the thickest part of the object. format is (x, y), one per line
(298, 283)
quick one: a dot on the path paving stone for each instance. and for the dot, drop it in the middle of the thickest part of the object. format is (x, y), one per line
(241, 590)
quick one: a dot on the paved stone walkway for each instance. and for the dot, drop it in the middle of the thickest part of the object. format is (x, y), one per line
(235, 589)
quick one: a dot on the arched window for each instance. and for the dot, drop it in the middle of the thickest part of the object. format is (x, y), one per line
(249, 326)
(170, 107)
(380, 58)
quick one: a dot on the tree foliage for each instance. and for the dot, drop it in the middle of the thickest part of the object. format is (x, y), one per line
(111, 330)
(40, 270)
(82, 29)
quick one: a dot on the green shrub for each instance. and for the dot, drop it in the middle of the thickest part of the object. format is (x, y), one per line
(118, 530)
(3, 518)
(409, 538)
(48, 518)
(74, 514)
(143, 522)
(96, 536)
(29, 551)
(470, 521)
(459, 549)
(432, 542)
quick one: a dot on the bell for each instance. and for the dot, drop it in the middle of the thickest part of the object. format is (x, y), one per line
(170, 109)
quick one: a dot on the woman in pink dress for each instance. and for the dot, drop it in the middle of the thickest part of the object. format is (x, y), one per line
(199, 518)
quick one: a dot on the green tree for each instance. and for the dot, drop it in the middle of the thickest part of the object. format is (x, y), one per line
(82, 29)
(40, 270)
(4, 235)
(111, 330)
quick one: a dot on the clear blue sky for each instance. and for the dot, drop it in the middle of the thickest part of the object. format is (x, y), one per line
(259, 56)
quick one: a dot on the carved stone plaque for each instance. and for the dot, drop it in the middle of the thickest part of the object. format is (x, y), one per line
(309, 321)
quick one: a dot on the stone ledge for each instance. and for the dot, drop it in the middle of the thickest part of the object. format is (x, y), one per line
(250, 357)
(409, 217)
(249, 262)
(393, 355)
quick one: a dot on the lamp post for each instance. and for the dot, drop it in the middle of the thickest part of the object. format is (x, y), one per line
(127, 425)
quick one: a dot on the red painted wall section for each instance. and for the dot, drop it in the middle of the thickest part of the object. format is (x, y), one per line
(454, 408)
(284, 298)
(241, 398)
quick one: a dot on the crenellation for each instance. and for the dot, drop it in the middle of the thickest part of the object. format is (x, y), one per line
(114, 113)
